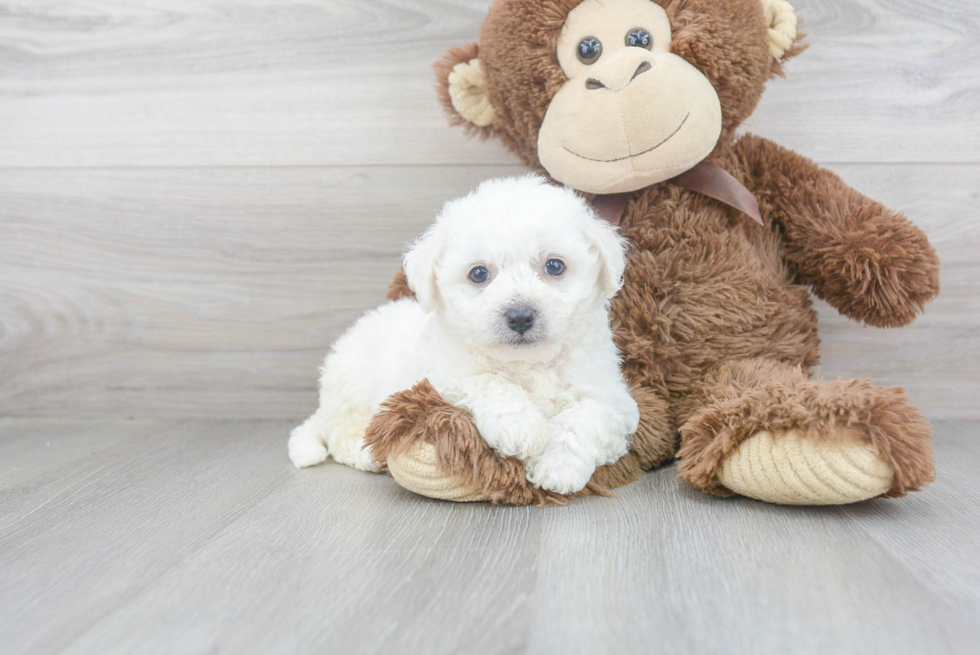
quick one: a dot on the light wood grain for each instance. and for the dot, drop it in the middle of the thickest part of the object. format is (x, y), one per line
(199, 537)
(174, 291)
(88, 535)
(216, 292)
(935, 534)
(293, 82)
(672, 570)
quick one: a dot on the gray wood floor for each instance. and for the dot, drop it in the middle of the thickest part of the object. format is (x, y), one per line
(197, 536)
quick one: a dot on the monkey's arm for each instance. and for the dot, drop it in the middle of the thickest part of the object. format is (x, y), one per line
(869, 262)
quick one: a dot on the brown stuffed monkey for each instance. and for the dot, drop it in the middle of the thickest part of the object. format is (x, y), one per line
(622, 99)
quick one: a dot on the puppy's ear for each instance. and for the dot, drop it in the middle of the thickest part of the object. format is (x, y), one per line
(611, 251)
(420, 267)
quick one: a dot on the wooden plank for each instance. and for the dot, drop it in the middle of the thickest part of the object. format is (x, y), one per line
(881, 82)
(335, 565)
(201, 538)
(195, 292)
(667, 569)
(183, 543)
(216, 292)
(82, 544)
(230, 83)
(26, 464)
(934, 534)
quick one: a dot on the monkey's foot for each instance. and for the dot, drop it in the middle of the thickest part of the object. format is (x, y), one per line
(769, 432)
(418, 470)
(789, 469)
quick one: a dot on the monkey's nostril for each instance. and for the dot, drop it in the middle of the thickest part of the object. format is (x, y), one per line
(642, 68)
(592, 84)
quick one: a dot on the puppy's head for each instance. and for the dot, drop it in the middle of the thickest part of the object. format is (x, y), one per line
(517, 268)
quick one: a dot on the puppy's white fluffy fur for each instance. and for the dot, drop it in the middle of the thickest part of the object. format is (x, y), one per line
(552, 395)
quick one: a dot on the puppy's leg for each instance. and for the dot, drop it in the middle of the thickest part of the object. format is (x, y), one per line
(573, 451)
(585, 435)
(366, 364)
(621, 402)
(307, 442)
(345, 438)
(559, 468)
(508, 421)
(617, 410)
(337, 429)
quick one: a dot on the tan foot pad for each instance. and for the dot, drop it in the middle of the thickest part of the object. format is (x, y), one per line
(788, 469)
(418, 471)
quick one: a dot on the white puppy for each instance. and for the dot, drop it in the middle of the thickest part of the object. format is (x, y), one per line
(511, 323)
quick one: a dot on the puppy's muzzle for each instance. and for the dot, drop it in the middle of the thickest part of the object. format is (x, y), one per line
(519, 319)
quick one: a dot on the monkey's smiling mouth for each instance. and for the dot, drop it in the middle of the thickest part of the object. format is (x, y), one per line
(631, 156)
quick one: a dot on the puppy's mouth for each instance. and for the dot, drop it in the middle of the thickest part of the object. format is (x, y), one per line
(526, 340)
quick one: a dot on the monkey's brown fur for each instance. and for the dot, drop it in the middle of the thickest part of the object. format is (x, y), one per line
(714, 321)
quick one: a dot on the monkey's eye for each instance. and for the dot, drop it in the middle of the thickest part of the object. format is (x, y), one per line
(639, 38)
(589, 50)
(554, 267)
(479, 274)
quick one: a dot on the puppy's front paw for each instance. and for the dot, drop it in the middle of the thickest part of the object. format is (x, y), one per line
(597, 433)
(363, 460)
(521, 435)
(631, 417)
(305, 447)
(560, 470)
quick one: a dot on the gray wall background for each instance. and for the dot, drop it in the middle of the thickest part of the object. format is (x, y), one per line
(197, 196)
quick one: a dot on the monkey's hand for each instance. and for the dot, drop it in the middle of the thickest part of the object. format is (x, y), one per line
(869, 262)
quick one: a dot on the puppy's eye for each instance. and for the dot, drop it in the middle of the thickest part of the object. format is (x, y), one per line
(639, 38)
(479, 275)
(554, 267)
(589, 49)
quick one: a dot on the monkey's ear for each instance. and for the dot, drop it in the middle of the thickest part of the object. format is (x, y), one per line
(462, 88)
(784, 35)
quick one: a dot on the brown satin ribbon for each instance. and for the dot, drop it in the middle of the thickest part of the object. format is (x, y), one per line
(610, 207)
(707, 179)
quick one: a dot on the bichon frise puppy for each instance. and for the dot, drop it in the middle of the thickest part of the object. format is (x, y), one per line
(511, 323)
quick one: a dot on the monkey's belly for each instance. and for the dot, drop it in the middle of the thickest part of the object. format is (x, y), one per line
(677, 326)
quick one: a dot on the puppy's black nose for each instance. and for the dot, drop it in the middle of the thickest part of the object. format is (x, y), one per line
(520, 319)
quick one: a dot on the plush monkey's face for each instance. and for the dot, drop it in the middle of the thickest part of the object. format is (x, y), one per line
(612, 96)
(631, 113)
